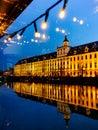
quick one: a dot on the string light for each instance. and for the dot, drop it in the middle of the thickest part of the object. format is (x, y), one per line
(5, 41)
(43, 26)
(19, 36)
(37, 34)
(43, 36)
(57, 29)
(44, 23)
(63, 11)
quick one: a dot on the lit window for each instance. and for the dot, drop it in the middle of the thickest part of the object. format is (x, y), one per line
(90, 56)
(95, 65)
(78, 58)
(78, 66)
(85, 56)
(90, 65)
(81, 57)
(85, 65)
(90, 73)
(95, 55)
(74, 66)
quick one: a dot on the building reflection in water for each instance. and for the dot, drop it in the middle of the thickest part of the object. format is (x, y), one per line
(68, 98)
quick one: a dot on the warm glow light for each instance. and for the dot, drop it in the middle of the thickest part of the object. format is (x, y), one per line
(19, 36)
(5, 41)
(62, 13)
(57, 30)
(43, 36)
(81, 22)
(36, 41)
(37, 34)
(9, 38)
(74, 19)
(32, 40)
(63, 31)
(44, 25)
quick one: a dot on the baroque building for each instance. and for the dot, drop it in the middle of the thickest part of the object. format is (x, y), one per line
(67, 61)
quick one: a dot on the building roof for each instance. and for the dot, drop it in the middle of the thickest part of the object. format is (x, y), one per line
(38, 58)
(85, 48)
(81, 49)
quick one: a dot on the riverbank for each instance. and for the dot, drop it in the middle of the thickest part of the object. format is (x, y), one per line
(58, 80)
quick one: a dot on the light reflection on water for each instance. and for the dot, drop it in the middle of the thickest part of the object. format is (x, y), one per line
(48, 106)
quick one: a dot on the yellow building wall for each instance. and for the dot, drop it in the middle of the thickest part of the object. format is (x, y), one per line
(85, 65)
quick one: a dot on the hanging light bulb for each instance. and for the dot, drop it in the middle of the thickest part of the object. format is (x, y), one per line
(44, 23)
(5, 40)
(9, 38)
(62, 14)
(37, 34)
(63, 10)
(19, 36)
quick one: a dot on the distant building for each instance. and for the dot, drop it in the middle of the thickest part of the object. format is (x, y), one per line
(67, 61)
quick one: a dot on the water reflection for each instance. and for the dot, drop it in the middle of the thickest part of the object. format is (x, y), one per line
(67, 98)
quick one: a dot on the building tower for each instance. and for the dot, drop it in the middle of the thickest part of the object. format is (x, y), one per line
(66, 41)
(64, 49)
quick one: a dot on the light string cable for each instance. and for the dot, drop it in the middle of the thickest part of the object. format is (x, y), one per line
(21, 31)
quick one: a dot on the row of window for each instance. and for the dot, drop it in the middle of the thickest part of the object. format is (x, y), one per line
(83, 57)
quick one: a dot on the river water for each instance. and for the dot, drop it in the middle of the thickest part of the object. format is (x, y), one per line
(36, 106)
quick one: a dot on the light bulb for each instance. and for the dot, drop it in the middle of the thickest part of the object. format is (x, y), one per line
(62, 13)
(19, 36)
(44, 36)
(5, 41)
(44, 25)
(57, 29)
(9, 38)
(37, 34)
(81, 22)
(74, 19)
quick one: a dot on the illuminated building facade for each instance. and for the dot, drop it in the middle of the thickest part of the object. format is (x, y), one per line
(67, 61)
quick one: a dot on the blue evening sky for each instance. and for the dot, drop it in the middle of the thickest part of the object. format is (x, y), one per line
(80, 25)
